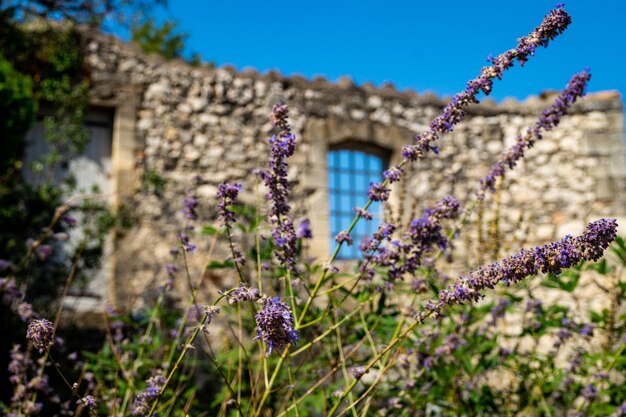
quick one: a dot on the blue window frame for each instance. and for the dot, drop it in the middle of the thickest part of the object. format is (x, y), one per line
(350, 173)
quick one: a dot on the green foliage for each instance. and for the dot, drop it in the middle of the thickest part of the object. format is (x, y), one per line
(18, 108)
(52, 78)
(151, 342)
(163, 39)
(152, 182)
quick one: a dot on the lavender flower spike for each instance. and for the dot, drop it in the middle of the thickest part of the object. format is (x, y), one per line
(553, 25)
(282, 146)
(275, 325)
(552, 257)
(40, 334)
(549, 119)
(227, 195)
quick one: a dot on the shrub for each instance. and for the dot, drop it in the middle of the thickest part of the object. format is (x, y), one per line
(395, 337)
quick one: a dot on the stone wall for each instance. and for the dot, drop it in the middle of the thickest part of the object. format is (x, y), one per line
(182, 121)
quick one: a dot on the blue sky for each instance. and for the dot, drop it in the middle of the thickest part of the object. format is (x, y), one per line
(427, 46)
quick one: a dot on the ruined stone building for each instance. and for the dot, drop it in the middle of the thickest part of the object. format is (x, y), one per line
(180, 121)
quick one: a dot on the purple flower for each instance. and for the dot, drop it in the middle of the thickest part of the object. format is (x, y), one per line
(393, 174)
(534, 306)
(87, 401)
(419, 285)
(284, 235)
(342, 237)
(304, 230)
(553, 25)
(552, 257)
(561, 336)
(210, 311)
(366, 215)
(143, 400)
(25, 311)
(587, 330)
(44, 252)
(358, 372)
(186, 242)
(498, 311)
(424, 235)
(275, 325)
(590, 393)
(548, 119)
(190, 203)
(377, 192)
(243, 293)
(172, 270)
(69, 220)
(227, 195)
(282, 146)
(40, 333)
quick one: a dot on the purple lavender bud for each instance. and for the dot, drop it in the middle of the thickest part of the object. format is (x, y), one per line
(156, 381)
(171, 269)
(377, 192)
(190, 204)
(194, 313)
(40, 333)
(142, 401)
(243, 293)
(25, 311)
(548, 120)
(366, 215)
(210, 311)
(562, 335)
(304, 230)
(500, 309)
(227, 195)
(547, 258)
(358, 372)
(69, 220)
(186, 242)
(275, 325)
(411, 152)
(44, 252)
(553, 25)
(534, 306)
(282, 146)
(393, 174)
(284, 236)
(590, 393)
(343, 236)
(279, 115)
(419, 285)
(87, 401)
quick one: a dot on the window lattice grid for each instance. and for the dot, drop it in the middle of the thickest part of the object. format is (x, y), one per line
(350, 173)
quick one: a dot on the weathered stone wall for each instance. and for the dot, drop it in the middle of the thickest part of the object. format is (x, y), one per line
(187, 121)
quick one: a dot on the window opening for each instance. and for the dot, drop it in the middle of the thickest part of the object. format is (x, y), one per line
(350, 173)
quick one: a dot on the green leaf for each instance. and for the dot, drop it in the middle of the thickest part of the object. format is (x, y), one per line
(210, 230)
(566, 281)
(220, 264)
